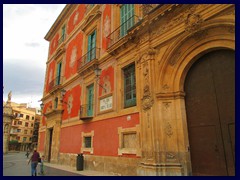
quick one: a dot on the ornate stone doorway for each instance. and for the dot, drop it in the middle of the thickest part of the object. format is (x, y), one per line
(210, 107)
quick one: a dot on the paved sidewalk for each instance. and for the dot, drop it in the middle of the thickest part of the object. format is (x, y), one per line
(83, 173)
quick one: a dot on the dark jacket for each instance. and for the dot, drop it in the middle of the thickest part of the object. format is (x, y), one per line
(35, 156)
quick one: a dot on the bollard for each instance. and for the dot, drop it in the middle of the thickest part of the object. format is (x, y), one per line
(80, 162)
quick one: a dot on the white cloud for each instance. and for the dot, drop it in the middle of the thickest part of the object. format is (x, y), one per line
(24, 29)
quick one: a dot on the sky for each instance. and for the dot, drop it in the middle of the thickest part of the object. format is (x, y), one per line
(25, 51)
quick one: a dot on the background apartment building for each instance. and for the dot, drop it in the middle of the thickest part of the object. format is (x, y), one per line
(23, 128)
(141, 89)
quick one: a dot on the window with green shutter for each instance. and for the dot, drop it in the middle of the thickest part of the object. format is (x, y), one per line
(63, 33)
(58, 78)
(90, 100)
(91, 46)
(129, 86)
(126, 18)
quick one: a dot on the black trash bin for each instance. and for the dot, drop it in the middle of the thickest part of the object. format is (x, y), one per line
(79, 162)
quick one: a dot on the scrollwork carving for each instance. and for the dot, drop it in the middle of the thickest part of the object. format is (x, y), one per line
(168, 129)
(193, 22)
(147, 100)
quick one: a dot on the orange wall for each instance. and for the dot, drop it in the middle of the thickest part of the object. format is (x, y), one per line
(41, 142)
(54, 44)
(46, 106)
(51, 66)
(76, 42)
(76, 94)
(80, 11)
(105, 139)
(109, 72)
(106, 25)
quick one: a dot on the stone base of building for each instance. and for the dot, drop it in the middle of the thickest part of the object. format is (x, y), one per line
(121, 166)
(164, 169)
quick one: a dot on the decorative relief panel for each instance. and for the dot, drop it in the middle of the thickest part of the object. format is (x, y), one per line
(106, 85)
(193, 22)
(69, 104)
(147, 100)
(168, 129)
(106, 27)
(75, 18)
(73, 57)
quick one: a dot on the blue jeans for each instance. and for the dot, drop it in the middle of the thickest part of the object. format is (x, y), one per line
(34, 168)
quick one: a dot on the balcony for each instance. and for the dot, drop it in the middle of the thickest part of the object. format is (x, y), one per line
(88, 61)
(61, 39)
(55, 83)
(86, 111)
(122, 30)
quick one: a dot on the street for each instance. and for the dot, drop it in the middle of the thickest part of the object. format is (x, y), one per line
(16, 164)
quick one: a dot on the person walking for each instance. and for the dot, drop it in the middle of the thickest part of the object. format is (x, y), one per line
(27, 153)
(41, 166)
(34, 162)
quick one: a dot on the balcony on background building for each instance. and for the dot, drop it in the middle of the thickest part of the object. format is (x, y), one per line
(55, 83)
(86, 112)
(88, 61)
(121, 31)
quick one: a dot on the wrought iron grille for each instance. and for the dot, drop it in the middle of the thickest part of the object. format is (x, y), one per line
(86, 111)
(91, 55)
(121, 31)
(55, 82)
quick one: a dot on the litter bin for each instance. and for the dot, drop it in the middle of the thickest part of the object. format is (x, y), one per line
(79, 162)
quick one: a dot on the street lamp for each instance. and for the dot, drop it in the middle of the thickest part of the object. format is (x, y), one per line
(97, 72)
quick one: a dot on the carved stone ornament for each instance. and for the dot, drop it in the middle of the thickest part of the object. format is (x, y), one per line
(168, 129)
(147, 100)
(73, 57)
(200, 35)
(70, 104)
(193, 22)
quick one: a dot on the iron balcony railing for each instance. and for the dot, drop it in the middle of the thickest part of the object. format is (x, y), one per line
(86, 111)
(55, 82)
(122, 30)
(91, 55)
(61, 39)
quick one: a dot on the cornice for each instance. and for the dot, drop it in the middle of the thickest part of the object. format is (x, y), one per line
(59, 21)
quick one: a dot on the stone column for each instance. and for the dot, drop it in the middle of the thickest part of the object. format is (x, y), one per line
(7, 124)
(148, 142)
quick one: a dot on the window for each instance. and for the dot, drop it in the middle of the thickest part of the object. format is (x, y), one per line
(33, 117)
(126, 18)
(90, 100)
(18, 130)
(129, 86)
(56, 103)
(21, 115)
(15, 122)
(88, 142)
(24, 138)
(91, 46)
(26, 124)
(59, 68)
(63, 33)
(27, 117)
(25, 131)
(20, 122)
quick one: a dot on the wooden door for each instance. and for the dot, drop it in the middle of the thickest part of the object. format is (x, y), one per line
(210, 106)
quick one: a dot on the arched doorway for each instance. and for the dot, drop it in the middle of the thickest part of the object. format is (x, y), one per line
(210, 107)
